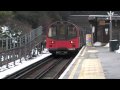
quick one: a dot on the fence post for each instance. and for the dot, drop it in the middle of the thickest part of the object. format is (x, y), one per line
(0, 60)
(13, 56)
(6, 59)
(2, 45)
(7, 43)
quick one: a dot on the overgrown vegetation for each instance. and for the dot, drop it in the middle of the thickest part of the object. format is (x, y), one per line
(27, 20)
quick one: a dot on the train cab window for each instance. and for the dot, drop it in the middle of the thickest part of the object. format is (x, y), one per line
(62, 32)
(52, 32)
(72, 32)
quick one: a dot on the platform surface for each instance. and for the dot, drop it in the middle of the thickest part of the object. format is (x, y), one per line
(94, 63)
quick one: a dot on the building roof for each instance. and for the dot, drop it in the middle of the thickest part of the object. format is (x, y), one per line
(92, 17)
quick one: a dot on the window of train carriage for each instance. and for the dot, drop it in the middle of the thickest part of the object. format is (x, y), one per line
(52, 32)
(72, 32)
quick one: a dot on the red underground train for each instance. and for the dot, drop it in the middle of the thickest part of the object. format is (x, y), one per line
(63, 37)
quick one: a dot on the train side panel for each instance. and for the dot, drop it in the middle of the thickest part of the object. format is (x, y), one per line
(71, 44)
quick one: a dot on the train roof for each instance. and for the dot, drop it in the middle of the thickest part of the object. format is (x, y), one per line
(63, 22)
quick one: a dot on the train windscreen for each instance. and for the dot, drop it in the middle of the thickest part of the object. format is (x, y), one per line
(62, 32)
(72, 32)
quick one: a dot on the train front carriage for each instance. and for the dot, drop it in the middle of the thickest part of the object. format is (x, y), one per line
(62, 37)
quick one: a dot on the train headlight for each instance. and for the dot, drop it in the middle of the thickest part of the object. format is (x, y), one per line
(52, 42)
(71, 42)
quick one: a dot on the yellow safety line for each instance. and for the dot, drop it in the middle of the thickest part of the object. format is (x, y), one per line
(73, 62)
(91, 69)
(76, 65)
(74, 69)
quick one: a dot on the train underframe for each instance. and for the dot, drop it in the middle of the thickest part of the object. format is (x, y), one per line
(64, 51)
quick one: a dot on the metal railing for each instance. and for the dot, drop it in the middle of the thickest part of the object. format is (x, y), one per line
(17, 48)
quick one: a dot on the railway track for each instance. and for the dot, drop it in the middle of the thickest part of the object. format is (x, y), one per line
(49, 68)
(56, 71)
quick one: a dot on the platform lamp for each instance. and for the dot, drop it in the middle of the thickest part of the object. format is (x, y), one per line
(110, 14)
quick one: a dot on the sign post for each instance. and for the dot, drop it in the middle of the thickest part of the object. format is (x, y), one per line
(110, 15)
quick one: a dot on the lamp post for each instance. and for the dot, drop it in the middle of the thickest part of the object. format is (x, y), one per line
(110, 32)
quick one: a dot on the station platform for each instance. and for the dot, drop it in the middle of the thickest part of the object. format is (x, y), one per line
(93, 63)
